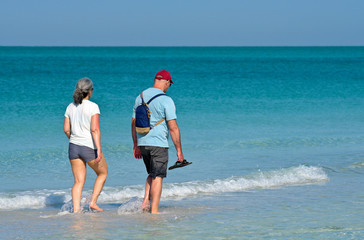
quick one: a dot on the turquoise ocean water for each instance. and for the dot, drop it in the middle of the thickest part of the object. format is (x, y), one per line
(275, 135)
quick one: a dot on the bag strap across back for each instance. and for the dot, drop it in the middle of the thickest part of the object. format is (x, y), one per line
(141, 96)
(161, 94)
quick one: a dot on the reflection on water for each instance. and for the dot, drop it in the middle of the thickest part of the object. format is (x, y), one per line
(87, 225)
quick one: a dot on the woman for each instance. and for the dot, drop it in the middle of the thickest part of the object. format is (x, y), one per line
(81, 125)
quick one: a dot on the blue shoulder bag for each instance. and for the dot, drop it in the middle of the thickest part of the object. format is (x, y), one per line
(142, 116)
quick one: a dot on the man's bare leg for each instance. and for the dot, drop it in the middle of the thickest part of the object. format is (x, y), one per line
(155, 193)
(146, 201)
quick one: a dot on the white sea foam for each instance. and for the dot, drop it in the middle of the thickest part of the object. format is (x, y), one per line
(132, 206)
(300, 175)
(31, 199)
(262, 180)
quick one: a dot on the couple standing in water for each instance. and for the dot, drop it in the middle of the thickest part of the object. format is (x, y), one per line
(81, 126)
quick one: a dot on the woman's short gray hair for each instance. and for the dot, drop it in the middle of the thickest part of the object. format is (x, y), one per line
(83, 88)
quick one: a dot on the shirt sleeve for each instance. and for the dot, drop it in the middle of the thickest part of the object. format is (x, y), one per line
(67, 113)
(136, 104)
(95, 109)
(170, 110)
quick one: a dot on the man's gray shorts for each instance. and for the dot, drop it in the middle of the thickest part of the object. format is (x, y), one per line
(84, 153)
(155, 160)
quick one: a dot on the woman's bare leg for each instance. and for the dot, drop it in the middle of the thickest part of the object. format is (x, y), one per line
(79, 173)
(100, 169)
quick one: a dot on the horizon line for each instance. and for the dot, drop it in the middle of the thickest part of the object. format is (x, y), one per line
(168, 46)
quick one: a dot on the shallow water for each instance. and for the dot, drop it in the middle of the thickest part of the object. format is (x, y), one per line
(275, 136)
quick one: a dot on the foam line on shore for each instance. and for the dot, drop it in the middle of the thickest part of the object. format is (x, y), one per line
(300, 175)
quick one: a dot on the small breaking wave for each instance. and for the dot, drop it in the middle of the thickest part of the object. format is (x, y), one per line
(32, 199)
(301, 175)
(290, 142)
(357, 165)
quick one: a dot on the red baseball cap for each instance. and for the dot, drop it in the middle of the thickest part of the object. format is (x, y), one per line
(163, 74)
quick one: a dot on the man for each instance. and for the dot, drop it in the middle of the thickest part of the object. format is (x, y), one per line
(153, 147)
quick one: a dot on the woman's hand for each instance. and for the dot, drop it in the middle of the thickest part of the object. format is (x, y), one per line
(99, 155)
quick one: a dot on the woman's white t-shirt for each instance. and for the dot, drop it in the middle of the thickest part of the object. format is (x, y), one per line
(80, 119)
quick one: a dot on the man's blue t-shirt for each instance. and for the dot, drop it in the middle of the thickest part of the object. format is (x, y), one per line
(161, 107)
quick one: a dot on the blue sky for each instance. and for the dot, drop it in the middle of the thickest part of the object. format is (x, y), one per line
(181, 23)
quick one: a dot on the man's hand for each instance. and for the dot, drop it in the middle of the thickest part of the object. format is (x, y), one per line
(176, 138)
(136, 153)
(180, 157)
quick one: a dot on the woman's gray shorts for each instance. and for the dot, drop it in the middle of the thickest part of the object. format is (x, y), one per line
(155, 160)
(84, 153)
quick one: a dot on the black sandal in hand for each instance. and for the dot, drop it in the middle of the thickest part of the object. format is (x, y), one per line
(179, 164)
